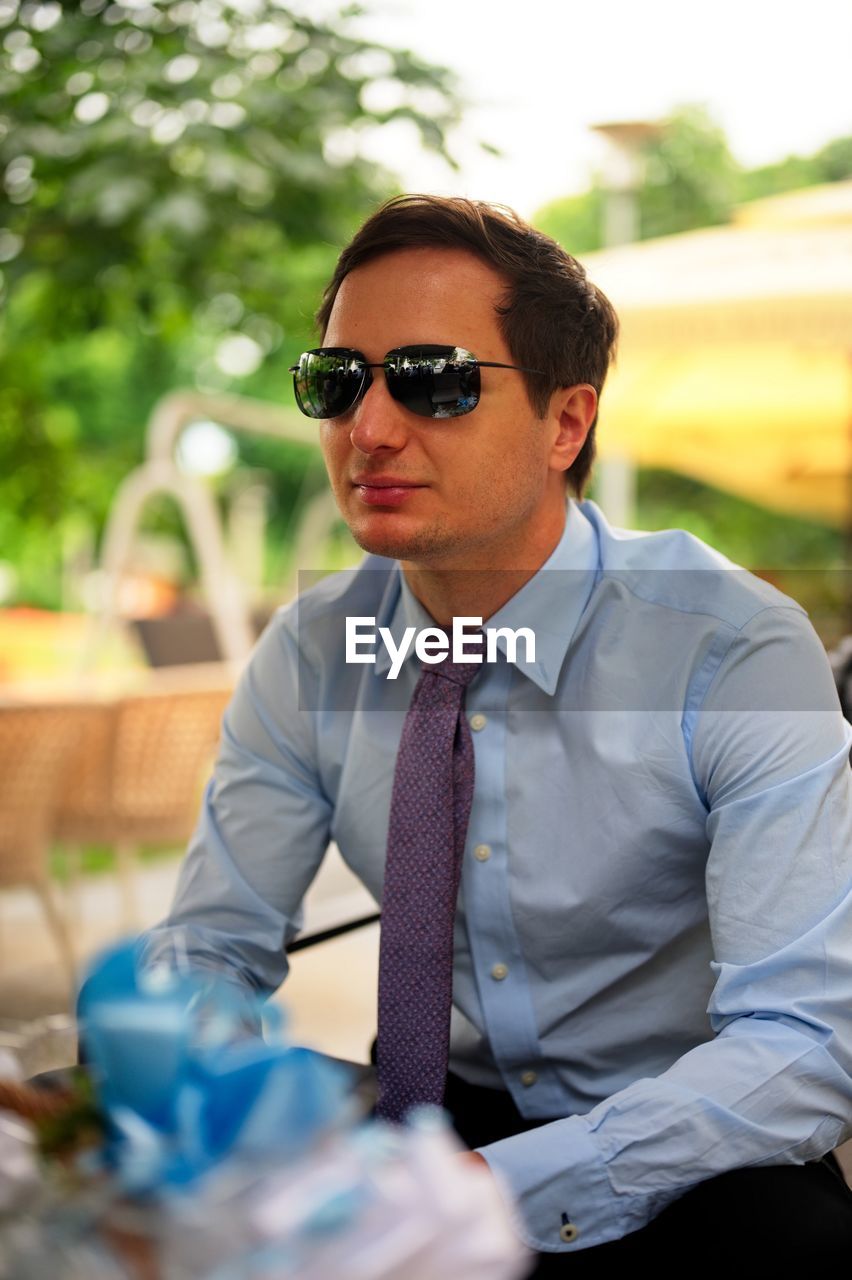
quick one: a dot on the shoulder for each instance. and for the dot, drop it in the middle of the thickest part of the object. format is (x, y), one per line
(673, 570)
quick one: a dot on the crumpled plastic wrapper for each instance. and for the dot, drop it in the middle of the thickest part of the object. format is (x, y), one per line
(375, 1204)
(19, 1175)
(229, 1158)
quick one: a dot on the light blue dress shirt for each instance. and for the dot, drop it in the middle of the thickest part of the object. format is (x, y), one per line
(654, 932)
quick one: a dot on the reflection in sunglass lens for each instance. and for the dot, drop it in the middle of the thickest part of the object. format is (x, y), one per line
(431, 381)
(434, 382)
(328, 384)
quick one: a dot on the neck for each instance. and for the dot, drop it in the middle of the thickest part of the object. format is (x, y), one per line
(447, 592)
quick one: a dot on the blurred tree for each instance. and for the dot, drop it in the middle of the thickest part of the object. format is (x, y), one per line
(177, 179)
(784, 175)
(835, 160)
(690, 175)
(576, 222)
(832, 163)
(690, 181)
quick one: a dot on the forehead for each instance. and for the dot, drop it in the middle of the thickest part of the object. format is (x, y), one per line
(419, 295)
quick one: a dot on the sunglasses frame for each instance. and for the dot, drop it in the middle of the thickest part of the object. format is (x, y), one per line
(465, 360)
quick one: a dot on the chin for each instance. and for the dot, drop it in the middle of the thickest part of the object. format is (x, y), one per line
(398, 544)
(395, 547)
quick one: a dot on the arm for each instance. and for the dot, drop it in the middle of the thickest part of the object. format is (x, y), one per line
(769, 752)
(261, 834)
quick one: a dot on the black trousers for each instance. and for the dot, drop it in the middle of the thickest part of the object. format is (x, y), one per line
(780, 1216)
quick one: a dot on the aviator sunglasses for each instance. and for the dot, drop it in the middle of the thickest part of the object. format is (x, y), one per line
(431, 381)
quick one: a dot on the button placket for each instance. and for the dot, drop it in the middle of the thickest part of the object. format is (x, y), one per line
(504, 996)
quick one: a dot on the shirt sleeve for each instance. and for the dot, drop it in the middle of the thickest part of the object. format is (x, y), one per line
(261, 835)
(770, 757)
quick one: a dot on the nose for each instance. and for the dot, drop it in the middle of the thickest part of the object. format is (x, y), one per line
(378, 421)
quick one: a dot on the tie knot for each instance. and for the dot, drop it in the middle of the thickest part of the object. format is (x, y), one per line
(456, 672)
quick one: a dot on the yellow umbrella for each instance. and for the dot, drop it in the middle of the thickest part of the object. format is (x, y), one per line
(734, 361)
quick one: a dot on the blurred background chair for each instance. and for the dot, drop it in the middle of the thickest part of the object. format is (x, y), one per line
(36, 743)
(138, 778)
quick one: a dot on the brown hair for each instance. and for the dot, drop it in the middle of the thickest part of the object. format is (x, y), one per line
(552, 317)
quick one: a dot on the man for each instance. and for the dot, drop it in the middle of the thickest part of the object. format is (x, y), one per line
(651, 1028)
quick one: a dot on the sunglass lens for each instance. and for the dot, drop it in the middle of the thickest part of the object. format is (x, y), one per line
(432, 381)
(327, 382)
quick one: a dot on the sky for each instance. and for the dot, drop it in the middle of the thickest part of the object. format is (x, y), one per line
(773, 73)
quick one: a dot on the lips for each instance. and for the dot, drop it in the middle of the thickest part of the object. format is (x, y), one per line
(384, 491)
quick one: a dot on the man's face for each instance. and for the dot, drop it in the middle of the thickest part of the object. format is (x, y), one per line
(478, 491)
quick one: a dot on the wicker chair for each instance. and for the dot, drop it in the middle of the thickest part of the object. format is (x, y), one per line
(138, 778)
(36, 743)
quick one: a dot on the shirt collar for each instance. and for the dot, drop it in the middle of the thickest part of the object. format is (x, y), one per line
(551, 604)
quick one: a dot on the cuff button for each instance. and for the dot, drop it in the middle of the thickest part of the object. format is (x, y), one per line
(568, 1233)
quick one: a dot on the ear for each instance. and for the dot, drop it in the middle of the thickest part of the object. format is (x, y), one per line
(572, 412)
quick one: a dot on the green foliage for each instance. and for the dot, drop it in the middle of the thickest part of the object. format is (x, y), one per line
(70, 1120)
(801, 557)
(176, 174)
(832, 163)
(576, 222)
(785, 175)
(175, 144)
(746, 533)
(835, 160)
(690, 180)
(690, 176)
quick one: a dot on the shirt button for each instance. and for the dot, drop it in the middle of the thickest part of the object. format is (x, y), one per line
(482, 852)
(499, 971)
(478, 722)
(568, 1233)
(528, 1078)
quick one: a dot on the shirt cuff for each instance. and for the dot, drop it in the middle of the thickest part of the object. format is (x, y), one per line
(563, 1200)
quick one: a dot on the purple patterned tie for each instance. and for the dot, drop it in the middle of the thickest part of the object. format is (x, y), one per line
(429, 815)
